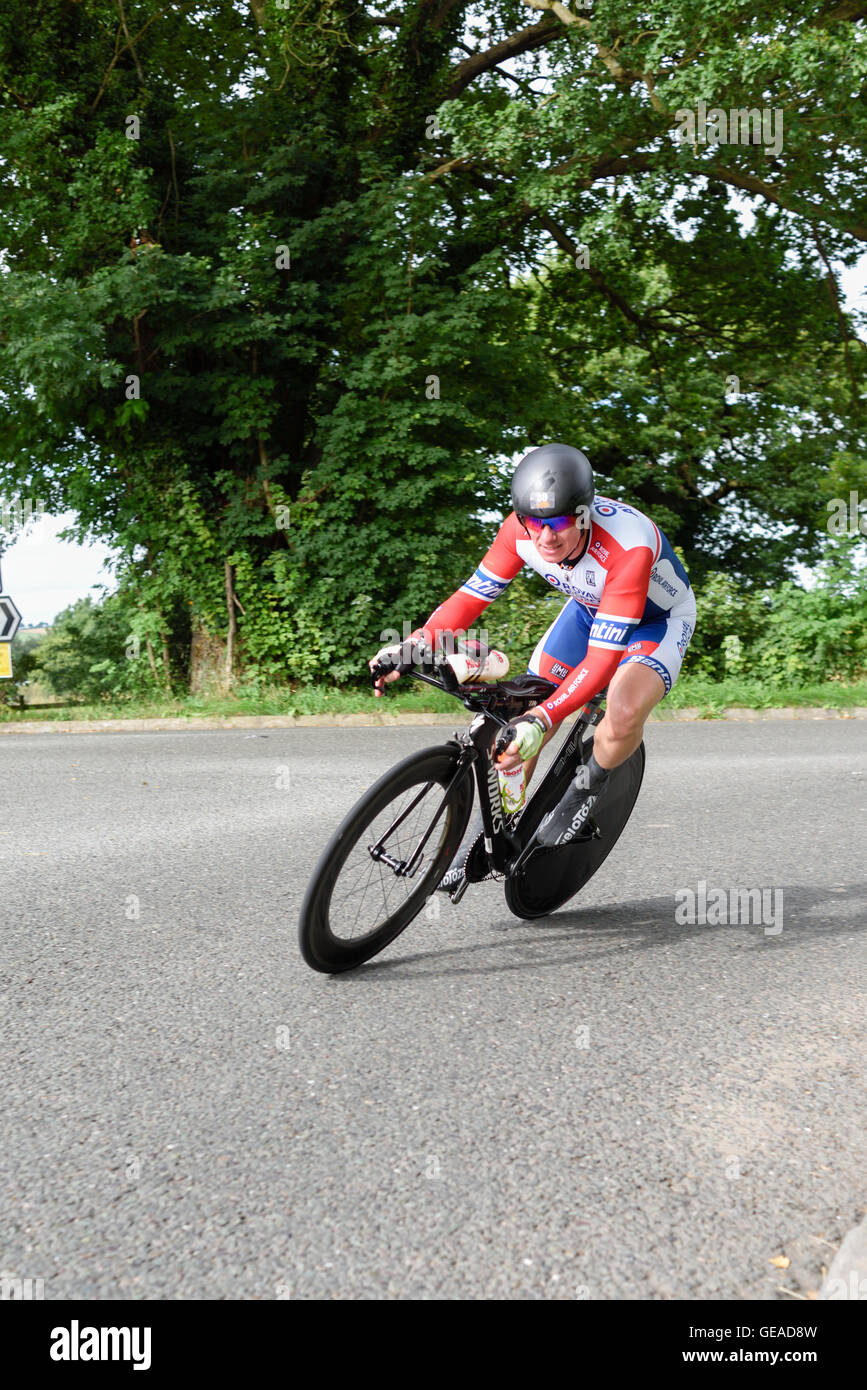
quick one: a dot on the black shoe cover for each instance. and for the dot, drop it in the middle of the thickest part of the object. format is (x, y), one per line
(568, 820)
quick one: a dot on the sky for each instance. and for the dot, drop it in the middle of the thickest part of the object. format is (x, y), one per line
(43, 575)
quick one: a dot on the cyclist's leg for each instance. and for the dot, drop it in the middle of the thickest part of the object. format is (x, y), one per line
(632, 693)
(560, 651)
(650, 667)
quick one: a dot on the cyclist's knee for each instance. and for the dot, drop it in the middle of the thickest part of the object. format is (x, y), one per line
(624, 714)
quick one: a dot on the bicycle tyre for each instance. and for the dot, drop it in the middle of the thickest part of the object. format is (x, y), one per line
(551, 877)
(321, 947)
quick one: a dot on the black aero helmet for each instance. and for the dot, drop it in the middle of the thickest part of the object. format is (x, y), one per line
(552, 481)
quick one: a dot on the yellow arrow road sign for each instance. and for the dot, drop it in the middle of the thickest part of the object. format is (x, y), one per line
(5, 660)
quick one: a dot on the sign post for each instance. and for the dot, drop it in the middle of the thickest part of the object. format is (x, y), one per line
(10, 621)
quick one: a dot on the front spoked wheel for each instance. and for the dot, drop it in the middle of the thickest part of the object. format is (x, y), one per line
(385, 860)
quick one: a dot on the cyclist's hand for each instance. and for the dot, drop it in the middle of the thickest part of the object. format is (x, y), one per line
(386, 656)
(529, 735)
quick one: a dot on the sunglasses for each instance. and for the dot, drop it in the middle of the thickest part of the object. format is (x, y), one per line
(557, 523)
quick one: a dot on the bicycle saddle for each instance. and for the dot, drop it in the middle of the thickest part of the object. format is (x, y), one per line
(519, 693)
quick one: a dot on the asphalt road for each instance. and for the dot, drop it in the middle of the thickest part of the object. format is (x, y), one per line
(606, 1103)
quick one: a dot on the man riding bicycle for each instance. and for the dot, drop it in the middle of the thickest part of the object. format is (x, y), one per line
(626, 623)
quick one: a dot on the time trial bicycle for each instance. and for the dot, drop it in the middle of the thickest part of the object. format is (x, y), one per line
(391, 851)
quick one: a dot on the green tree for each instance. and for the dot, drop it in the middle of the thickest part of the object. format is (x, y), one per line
(275, 336)
(91, 653)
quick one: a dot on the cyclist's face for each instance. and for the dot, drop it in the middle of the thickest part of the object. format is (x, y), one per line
(556, 545)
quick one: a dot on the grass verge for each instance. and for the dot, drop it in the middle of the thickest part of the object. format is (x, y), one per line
(710, 697)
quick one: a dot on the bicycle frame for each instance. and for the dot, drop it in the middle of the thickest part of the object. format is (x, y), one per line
(506, 845)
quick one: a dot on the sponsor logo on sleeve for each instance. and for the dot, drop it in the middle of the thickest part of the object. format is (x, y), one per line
(485, 588)
(559, 670)
(657, 578)
(570, 689)
(609, 632)
(598, 550)
(634, 646)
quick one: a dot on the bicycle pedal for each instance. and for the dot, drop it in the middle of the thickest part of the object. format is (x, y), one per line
(587, 836)
(457, 893)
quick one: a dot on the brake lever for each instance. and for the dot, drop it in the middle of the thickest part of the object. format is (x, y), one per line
(507, 735)
(450, 682)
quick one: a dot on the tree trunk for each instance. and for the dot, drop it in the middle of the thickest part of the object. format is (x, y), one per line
(167, 677)
(207, 661)
(152, 660)
(232, 632)
(167, 680)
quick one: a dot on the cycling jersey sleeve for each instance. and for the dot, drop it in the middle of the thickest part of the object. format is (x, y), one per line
(620, 611)
(496, 571)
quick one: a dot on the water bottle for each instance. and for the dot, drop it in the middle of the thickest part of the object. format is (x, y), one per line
(513, 790)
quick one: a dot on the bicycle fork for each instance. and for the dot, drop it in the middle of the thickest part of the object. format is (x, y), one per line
(406, 868)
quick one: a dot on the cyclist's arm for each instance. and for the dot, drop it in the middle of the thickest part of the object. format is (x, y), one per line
(620, 611)
(496, 571)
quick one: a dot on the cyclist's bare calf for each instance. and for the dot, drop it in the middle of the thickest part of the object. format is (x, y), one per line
(633, 692)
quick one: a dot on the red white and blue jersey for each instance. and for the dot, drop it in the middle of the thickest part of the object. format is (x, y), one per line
(628, 576)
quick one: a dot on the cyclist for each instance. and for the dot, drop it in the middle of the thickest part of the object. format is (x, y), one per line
(626, 623)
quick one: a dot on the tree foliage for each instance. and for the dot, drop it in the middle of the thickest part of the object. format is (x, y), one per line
(287, 286)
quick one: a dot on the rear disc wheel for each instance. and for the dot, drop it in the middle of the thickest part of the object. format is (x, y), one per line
(550, 877)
